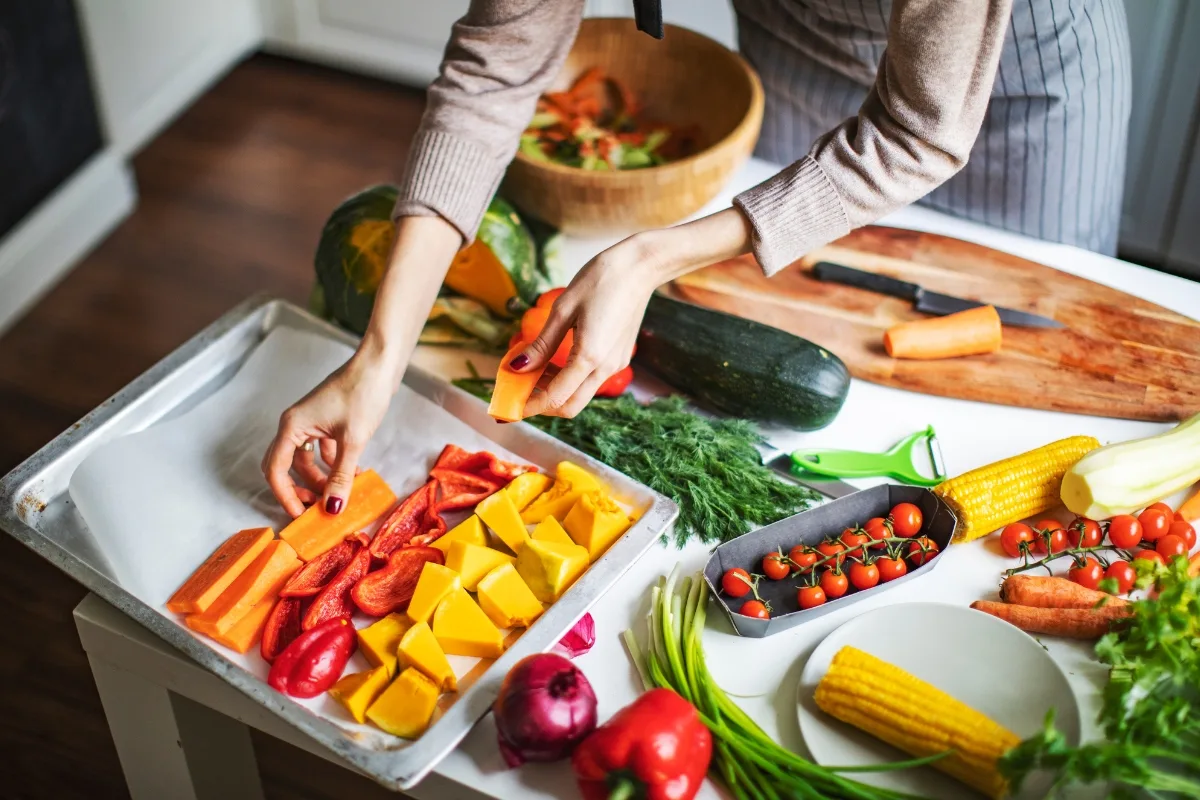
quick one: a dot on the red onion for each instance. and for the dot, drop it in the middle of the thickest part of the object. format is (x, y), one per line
(546, 706)
(579, 639)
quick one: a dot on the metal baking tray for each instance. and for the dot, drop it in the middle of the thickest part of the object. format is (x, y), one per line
(35, 508)
(810, 527)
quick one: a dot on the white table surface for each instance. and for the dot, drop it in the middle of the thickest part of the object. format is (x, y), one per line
(764, 673)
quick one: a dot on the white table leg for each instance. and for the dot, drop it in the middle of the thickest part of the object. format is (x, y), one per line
(170, 746)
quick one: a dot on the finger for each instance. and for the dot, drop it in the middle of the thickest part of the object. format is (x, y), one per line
(277, 467)
(541, 350)
(341, 477)
(579, 366)
(584, 394)
(305, 464)
(329, 450)
(307, 496)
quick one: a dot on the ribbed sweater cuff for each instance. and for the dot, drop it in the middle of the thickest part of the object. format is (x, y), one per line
(792, 213)
(449, 176)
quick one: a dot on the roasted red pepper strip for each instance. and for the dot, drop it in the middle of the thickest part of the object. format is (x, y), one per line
(334, 600)
(282, 627)
(405, 522)
(616, 384)
(656, 748)
(389, 589)
(315, 660)
(316, 574)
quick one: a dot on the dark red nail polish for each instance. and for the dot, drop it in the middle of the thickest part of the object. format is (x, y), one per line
(333, 505)
(520, 362)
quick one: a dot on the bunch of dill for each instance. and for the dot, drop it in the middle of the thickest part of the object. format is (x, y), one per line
(709, 467)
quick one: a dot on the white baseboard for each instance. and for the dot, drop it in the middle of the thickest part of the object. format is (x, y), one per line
(58, 233)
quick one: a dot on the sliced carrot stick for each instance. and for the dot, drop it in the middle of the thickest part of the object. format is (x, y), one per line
(512, 389)
(967, 333)
(1194, 566)
(213, 576)
(244, 635)
(1071, 623)
(315, 531)
(1042, 591)
(264, 578)
(1190, 510)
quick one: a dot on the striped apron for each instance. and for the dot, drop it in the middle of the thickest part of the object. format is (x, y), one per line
(1049, 161)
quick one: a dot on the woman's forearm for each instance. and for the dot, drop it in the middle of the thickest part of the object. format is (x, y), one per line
(676, 251)
(421, 255)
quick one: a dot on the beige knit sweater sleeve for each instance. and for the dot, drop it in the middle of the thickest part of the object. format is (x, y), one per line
(913, 132)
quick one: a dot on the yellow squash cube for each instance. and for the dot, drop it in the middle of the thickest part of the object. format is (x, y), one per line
(434, 584)
(549, 568)
(358, 691)
(595, 522)
(499, 513)
(472, 562)
(419, 648)
(469, 530)
(379, 641)
(507, 600)
(551, 530)
(462, 629)
(526, 486)
(405, 708)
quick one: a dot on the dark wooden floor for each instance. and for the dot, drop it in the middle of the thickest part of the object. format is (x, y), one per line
(232, 197)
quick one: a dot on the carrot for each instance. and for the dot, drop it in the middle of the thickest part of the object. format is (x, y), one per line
(264, 578)
(967, 333)
(315, 531)
(242, 636)
(1071, 623)
(1190, 510)
(512, 389)
(212, 577)
(1194, 566)
(1040, 591)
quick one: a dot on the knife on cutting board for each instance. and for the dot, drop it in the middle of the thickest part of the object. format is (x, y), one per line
(923, 300)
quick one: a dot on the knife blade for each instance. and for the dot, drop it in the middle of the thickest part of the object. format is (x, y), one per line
(923, 300)
(782, 463)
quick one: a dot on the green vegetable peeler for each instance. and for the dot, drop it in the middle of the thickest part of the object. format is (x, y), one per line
(896, 463)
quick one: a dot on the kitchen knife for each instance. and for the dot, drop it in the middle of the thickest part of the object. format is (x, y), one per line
(925, 301)
(782, 463)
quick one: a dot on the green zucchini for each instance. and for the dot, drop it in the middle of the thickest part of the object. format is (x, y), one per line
(741, 367)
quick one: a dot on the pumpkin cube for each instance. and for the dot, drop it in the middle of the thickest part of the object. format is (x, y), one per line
(595, 522)
(434, 584)
(462, 629)
(358, 691)
(554, 502)
(469, 530)
(550, 530)
(419, 648)
(379, 641)
(549, 568)
(406, 707)
(526, 486)
(472, 562)
(499, 513)
(507, 600)
(578, 477)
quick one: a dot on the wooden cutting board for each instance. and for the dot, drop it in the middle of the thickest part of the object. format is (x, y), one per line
(1118, 356)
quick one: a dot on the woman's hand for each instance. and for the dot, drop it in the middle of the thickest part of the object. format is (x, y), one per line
(605, 303)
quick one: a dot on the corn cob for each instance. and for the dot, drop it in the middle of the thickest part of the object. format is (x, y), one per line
(991, 497)
(888, 703)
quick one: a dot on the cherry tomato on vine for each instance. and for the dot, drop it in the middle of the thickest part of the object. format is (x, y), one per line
(854, 539)
(1088, 574)
(736, 582)
(810, 596)
(1155, 523)
(755, 608)
(878, 529)
(921, 550)
(1184, 530)
(834, 584)
(906, 519)
(776, 567)
(1148, 555)
(1123, 574)
(802, 557)
(891, 568)
(1170, 512)
(828, 548)
(1084, 532)
(864, 576)
(1016, 537)
(1055, 540)
(1124, 531)
(1170, 546)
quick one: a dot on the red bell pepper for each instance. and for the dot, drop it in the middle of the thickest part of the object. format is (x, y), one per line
(616, 384)
(483, 464)
(462, 489)
(315, 660)
(316, 574)
(389, 589)
(656, 748)
(434, 527)
(334, 600)
(281, 628)
(405, 522)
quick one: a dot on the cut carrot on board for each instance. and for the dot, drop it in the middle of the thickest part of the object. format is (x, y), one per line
(967, 333)
(1041, 591)
(244, 635)
(1190, 510)
(228, 561)
(315, 531)
(264, 578)
(512, 389)
(1071, 623)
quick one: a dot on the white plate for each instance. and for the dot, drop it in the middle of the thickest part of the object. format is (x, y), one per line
(986, 663)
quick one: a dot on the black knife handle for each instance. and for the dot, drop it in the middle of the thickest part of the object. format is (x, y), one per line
(647, 16)
(827, 271)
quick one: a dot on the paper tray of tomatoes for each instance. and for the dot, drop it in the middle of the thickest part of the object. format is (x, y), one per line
(828, 557)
